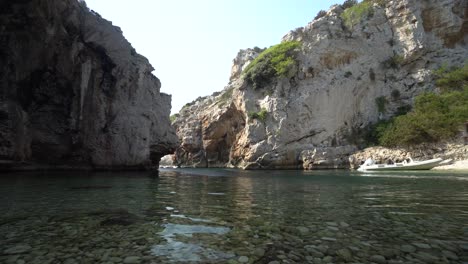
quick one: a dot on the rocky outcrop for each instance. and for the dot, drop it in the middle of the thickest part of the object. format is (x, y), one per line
(326, 158)
(456, 151)
(206, 139)
(75, 93)
(347, 76)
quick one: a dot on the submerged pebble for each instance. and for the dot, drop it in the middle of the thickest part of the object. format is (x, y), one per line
(244, 225)
(243, 259)
(17, 249)
(131, 260)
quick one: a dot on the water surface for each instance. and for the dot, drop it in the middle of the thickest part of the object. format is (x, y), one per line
(231, 216)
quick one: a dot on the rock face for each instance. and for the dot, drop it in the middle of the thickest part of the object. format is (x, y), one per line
(348, 77)
(74, 92)
(207, 139)
(454, 150)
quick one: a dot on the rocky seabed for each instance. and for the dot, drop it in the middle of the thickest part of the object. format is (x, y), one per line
(121, 237)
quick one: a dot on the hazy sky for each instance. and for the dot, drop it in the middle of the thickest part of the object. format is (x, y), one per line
(191, 43)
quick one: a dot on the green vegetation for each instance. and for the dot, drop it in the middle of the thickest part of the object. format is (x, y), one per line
(395, 94)
(354, 14)
(320, 14)
(276, 61)
(349, 3)
(394, 62)
(173, 117)
(453, 79)
(268, 92)
(408, 31)
(370, 135)
(257, 49)
(435, 117)
(371, 74)
(403, 110)
(261, 115)
(226, 96)
(381, 103)
(199, 98)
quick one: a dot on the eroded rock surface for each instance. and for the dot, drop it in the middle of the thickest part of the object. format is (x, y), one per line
(347, 77)
(73, 91)
(455, 151)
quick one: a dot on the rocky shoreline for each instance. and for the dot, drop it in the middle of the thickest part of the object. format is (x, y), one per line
(461, 165)
(456, 151)
(350, 157)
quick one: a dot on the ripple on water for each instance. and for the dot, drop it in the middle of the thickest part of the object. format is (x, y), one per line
(216, 193)
(191, 218)
(262, 217)
(189, 252)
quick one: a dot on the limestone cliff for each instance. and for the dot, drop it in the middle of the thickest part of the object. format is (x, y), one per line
(346, 76)
(73, 91)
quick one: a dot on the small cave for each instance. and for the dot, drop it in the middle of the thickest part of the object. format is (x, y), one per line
(221, 135)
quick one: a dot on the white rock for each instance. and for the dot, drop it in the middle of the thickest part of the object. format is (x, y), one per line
(311, 119)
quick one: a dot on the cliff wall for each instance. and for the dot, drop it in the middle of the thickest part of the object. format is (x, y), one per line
(73, 91)
(347, 75)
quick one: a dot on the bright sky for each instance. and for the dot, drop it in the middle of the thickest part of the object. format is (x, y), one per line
(191, 43)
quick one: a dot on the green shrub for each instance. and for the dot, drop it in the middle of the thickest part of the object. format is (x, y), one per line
(277, 61)
(381, 103)
(226, 95)
(349, 3)
(199, 98)
(408, 31)
(187, 105)
(257, 49)
(214, 94)
(356, 13)
(371, 74)
(403, 110)
(173, 117)
(394, 62)
(435, 117)
(320, 14)
(455, 79)
(372, 133)
(395, 94)
(261, 115)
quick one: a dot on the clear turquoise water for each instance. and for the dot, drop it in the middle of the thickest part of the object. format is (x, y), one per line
(231, 216)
